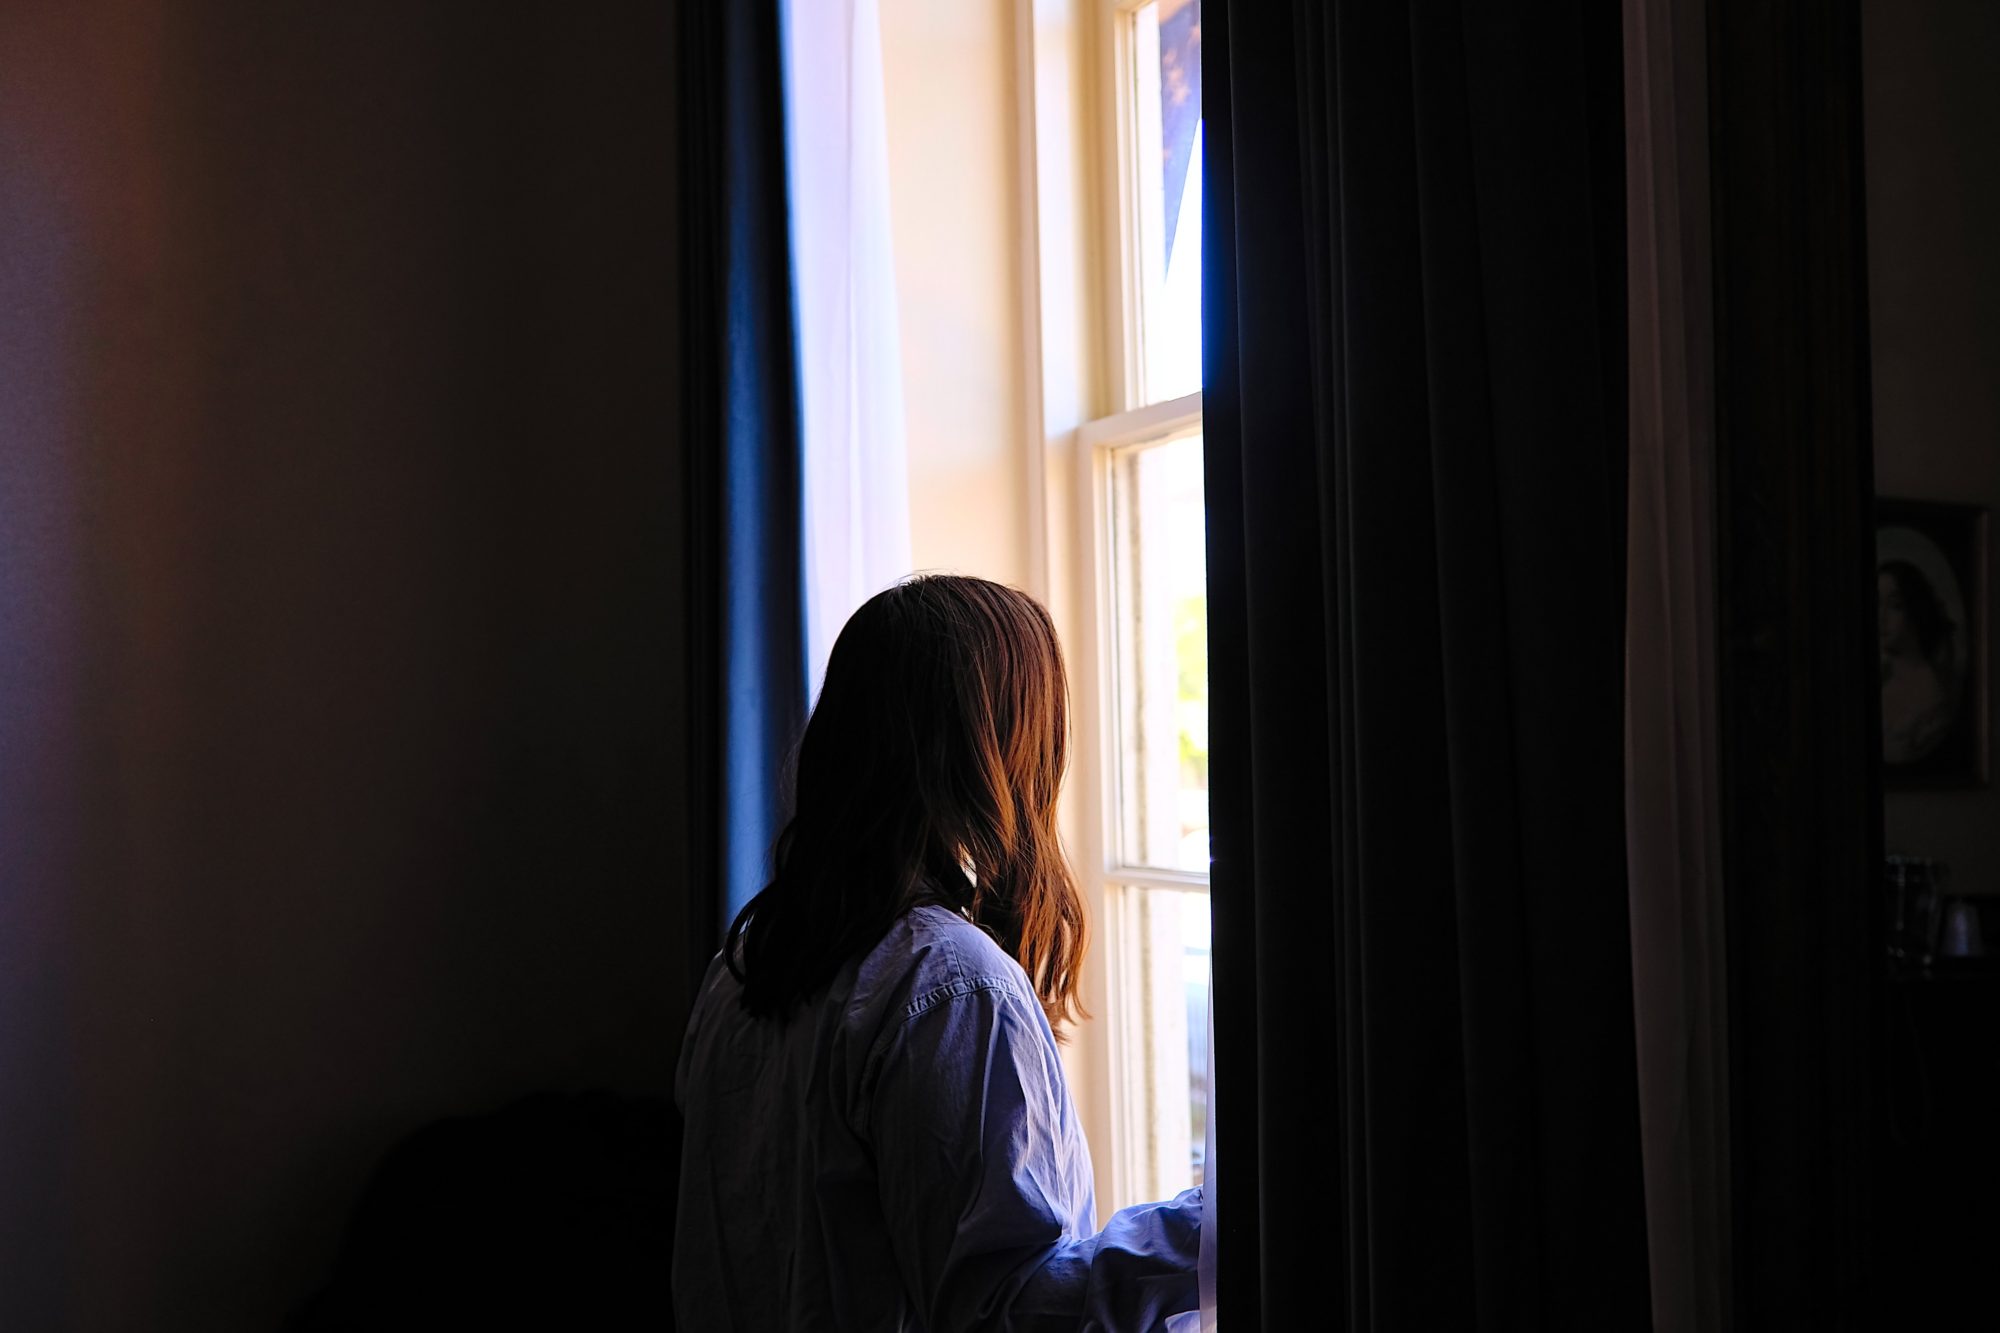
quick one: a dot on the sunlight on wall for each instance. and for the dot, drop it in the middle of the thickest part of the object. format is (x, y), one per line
(950, 99)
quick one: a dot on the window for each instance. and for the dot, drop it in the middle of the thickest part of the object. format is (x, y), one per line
(1140, 482)
(1080, 478)
(1151, 845)
(1159, 77)
(1157, 887)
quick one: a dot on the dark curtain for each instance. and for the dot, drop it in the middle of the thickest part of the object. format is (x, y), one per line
(1800, 676)
(740, 430)
(1416, 434)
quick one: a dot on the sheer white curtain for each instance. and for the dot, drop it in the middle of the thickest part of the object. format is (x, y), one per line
(856, 484)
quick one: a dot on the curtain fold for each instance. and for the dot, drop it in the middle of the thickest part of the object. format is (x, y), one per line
(1672, 792)
(1798, 672)
(740, 433)
(1416, 425)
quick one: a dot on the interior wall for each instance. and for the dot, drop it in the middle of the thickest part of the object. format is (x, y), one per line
(339, 616)
(1932, 107)
(949, 96)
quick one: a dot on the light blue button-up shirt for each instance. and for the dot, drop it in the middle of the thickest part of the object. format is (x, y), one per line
(901, 1153)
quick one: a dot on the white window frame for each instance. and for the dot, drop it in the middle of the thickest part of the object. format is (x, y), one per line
(1079, 265)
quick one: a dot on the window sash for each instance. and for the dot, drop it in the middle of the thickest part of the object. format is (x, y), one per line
(1146, 1097)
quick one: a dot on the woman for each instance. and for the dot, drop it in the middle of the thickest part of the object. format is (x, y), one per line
(878, 1131)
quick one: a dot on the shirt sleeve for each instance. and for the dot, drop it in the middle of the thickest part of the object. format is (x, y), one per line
(984, 1183)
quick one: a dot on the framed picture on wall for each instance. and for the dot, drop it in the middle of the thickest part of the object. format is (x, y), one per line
(1931, 625)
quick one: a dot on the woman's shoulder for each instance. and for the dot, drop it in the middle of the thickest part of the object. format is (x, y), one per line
(938, 945)
(930, 955)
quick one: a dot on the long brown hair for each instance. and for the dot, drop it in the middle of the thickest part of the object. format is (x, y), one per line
(929, 772)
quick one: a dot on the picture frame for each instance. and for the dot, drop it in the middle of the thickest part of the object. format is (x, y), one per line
(1931, 565)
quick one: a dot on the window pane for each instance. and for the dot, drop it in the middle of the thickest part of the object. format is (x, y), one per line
(1167, 939)
(1166, 118)
(1161, 629)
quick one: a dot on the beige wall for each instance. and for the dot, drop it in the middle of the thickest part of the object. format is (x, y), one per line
(955, 207)
(1932, 108)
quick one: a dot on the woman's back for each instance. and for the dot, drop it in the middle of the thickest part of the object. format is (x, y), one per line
(878, 1131)
(901, 1153)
